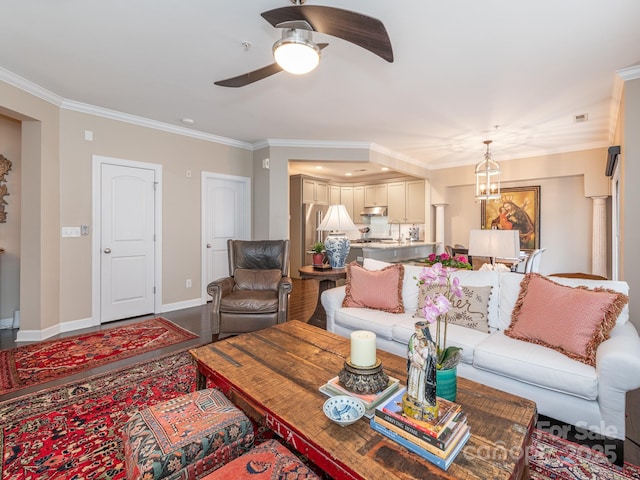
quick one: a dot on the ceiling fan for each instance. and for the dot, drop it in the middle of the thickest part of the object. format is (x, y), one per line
(299, 21)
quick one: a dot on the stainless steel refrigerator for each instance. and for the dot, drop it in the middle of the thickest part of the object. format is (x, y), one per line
(305, 234)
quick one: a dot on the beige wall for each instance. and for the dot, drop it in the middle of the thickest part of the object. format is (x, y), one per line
(55, 283)
(630, 164)
(55, 280)
(39, 226)
(181, 233)
(10, 147)
(565, 221)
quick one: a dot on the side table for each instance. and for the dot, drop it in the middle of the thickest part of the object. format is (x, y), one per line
(326, 279)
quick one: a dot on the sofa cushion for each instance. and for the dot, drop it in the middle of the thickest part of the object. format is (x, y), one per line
(376, 321)
(474, 278)
(470, 311)
(510, 289)
(457, 336)
(409, 283)
(571, 320)
(536, 365)
(614, 285)
(256, 279)
(376, 289)
(254, 301)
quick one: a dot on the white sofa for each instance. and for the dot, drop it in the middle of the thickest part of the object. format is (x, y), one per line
(564, 389)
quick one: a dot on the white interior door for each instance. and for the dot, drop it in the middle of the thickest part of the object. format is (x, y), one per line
(226, 214)
(127, 226)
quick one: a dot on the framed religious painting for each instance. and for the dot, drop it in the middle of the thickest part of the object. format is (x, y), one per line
(517, 209)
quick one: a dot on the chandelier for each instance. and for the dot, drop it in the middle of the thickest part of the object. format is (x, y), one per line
(487, 177)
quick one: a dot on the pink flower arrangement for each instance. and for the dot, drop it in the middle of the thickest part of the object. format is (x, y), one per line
(453, 261)
(436, 308)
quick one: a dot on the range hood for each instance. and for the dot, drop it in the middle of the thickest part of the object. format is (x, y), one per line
(374, 212)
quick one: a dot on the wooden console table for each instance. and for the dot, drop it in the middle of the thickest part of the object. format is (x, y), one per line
(274, 375)
(326, 280)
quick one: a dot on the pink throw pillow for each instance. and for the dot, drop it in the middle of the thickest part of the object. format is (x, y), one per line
(573, 321)
(375, 289)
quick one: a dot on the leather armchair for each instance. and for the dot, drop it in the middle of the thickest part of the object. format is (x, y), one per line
(255, 295)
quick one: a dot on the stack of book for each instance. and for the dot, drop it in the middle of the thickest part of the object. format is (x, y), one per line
(438, 441)
(371, 401)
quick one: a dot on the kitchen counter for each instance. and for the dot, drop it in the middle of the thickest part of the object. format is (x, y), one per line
(390, 251)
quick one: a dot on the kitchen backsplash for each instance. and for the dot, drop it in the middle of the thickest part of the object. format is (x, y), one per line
(379, 227)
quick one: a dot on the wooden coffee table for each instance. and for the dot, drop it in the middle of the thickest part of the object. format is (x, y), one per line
(274, 375)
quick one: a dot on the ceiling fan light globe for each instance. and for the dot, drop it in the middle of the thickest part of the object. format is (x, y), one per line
(296, 53)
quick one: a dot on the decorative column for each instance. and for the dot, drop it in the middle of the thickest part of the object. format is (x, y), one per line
(599, 237)
(439, 227)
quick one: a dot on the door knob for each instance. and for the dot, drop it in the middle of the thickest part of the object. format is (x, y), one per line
(107, 250)
(208, 245)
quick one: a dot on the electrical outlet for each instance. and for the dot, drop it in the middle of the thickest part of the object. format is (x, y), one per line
(188, 283)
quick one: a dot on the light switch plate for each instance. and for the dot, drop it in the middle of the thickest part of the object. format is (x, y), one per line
(70, 232)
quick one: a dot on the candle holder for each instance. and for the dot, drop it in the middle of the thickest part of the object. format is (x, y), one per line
(363, 380)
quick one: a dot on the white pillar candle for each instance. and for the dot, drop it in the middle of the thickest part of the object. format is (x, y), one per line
(363, 348)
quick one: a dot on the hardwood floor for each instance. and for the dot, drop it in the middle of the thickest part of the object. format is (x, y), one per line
(302, 304)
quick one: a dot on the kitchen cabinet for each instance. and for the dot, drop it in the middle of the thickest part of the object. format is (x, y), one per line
(415, 209)
(397, 198)
(334, 195)
(358, 203)
(346, 198)
(375, 195)
(314, 191)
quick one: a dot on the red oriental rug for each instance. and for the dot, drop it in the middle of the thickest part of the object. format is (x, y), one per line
(74, 431)
(49, 360)
(551, 457)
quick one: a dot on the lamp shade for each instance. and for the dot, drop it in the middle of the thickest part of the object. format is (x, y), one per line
(337, 245)
(494, 243)
(295, 52)
(337, 219)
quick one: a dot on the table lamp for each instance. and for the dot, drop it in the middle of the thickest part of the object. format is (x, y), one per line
(337, 245)
(494, 243)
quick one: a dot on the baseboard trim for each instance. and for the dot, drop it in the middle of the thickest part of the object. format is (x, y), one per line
(170, 307)
(39, 335)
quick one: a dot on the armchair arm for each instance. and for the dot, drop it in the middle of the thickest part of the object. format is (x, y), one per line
(218, 289)
(284, 289)
(618, 369)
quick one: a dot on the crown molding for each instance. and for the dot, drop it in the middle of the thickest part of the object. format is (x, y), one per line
(629, 73)
(277, 142)
(398, 156)
(154, 124)
(44, 94)
(30, 87)
(271, 142)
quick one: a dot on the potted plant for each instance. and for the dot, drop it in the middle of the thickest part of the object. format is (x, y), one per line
(436, 309)
(318, 253)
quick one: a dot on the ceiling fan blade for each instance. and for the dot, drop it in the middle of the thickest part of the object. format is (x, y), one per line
(362, 30)
(248, 78)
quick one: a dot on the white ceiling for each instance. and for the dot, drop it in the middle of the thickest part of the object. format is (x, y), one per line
(461, 68)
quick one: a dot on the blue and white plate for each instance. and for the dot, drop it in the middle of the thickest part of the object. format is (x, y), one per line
(343, 409)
